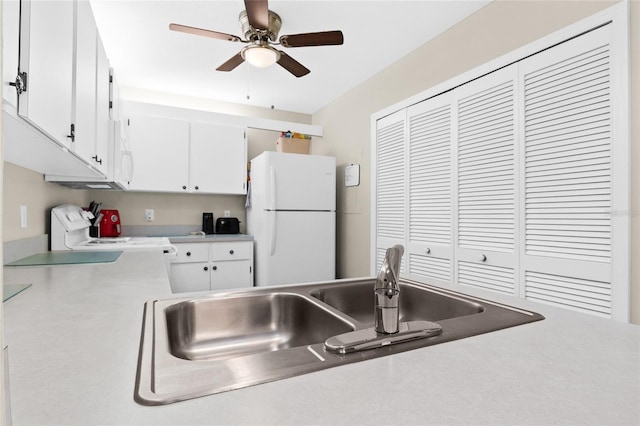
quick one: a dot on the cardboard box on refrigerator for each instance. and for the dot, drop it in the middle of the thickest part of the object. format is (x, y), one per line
(293, 145)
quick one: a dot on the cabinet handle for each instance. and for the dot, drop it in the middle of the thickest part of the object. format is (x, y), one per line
(197, 187)
(72, 134)
(184, 186)
(95, 157)
(206, 268)
(215, 268)
(428, 251)
(230, 251)
(188, 253)
(483, 258)
(21, 83)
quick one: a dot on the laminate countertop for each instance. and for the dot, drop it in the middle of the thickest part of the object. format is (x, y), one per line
(74, 335)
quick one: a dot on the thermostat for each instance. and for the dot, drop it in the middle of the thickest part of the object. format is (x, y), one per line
(352, 175)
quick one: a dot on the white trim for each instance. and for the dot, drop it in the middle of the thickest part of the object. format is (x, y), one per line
(621, 162)
(144, 108)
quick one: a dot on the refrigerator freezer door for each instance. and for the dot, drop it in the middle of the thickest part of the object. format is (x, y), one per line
(295, 247)
(283, 181)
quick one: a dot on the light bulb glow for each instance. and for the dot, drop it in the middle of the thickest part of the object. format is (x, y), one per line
(260, 56)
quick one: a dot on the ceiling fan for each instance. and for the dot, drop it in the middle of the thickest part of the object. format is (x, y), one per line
(260, 27)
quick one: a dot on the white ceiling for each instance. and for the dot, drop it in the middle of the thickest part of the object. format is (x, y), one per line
(146, 54)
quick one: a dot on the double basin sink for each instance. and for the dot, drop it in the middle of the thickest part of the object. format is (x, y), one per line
(192, 347)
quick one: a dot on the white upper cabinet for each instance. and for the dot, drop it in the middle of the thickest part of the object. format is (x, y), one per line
(84, 119)
(46, 56)
(218, 158)
(10, 49)
(103, 109)
(188, 154)
(160, 148)
(55, 112)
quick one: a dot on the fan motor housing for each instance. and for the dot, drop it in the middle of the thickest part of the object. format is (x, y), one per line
(250, 33)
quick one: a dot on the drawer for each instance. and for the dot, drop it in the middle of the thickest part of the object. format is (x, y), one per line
(231, 251)
(197, 252)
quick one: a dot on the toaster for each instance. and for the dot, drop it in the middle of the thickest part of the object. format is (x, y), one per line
(227, 225)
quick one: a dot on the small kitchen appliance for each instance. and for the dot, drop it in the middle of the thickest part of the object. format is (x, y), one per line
(227, 225)
(110, 223)
(207, 223)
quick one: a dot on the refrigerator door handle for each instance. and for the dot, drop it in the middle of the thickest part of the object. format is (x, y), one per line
(272, 183)
(272, 235)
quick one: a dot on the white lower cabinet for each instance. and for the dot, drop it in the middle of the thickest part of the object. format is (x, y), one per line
(212, 266)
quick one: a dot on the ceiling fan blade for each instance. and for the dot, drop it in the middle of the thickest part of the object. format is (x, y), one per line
(202, 32)
(325, 38)
(257, 13)
(232, 63)
(291, 65)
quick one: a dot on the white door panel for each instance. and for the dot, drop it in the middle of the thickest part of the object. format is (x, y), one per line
(298, 247)
(297, 182)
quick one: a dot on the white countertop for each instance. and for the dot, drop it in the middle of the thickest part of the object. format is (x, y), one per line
(73, 345)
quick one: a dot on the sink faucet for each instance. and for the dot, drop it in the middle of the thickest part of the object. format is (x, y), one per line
(387, 292)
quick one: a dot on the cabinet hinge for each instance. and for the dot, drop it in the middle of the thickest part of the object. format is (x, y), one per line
(110, 104)
(21, 83)
(128, 122)
(110, 78)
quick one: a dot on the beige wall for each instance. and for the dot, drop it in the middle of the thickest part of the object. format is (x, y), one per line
(25, 187)
(495, 30)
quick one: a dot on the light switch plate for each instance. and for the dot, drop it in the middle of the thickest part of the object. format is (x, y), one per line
(23, 216)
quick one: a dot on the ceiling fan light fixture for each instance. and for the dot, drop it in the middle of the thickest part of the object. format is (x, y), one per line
(260, 55)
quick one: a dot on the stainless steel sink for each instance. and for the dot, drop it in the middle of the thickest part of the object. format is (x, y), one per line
(216, 329)
(415, 303)
(229, 340)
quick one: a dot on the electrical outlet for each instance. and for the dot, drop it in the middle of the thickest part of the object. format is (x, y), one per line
(227, 213)
(149, 215)
(23, 216)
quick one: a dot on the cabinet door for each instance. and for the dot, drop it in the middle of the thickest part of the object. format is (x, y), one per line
(10, 49)
(160, 153)
(186, 277)
(231, 274)
(85, 84)
(46, 55)
(430, 142)
(390, 194)
(102, 109)
(218, 159)
(569, 175)
(486, 179)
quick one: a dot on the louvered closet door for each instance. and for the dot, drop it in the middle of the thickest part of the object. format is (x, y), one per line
(390, 199)
(568, 175)
(430, 249)
(486, 182)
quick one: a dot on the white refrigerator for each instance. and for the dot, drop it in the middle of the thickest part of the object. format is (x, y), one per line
(291, 215)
